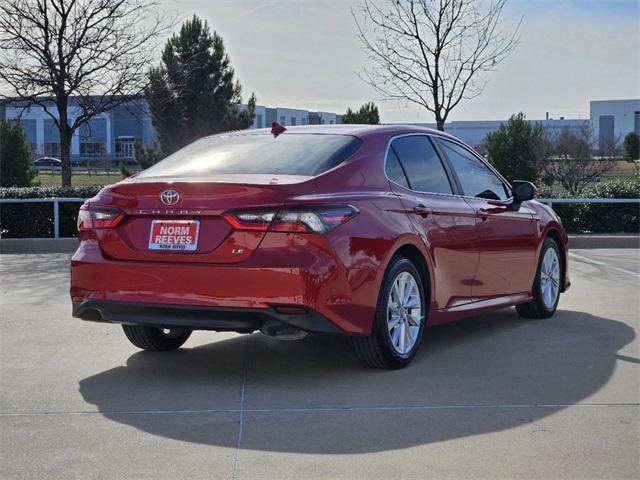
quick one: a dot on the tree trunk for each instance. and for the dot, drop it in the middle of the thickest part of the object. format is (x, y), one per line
(440, 124)
(65, 154)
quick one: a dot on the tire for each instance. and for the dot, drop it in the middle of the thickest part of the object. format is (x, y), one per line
(545, 301)
(156, 339)
(382, 348)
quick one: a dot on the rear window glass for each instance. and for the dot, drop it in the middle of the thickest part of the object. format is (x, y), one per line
(293, 154)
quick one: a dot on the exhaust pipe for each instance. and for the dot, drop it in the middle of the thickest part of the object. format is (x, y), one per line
(282, 331)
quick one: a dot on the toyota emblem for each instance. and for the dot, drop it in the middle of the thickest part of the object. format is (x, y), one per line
(170, 197)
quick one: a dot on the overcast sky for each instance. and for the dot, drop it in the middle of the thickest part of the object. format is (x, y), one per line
(304, 54)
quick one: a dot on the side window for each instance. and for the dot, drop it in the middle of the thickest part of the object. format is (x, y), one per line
(394, 169)
(475, 178)
(421, 164)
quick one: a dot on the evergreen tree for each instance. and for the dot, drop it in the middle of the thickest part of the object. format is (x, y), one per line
(517, 148)
(367, 114)
(15, 169)
(193, 92)
(632, 146)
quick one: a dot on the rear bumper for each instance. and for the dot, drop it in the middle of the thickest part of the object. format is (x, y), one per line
(198, 318)
(239, 296)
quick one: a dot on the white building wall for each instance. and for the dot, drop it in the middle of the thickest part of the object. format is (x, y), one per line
(623, 112)
(38, 114)
(474, 132)
(292, 116)
(328, 118)
(106, 134)
(260, 119)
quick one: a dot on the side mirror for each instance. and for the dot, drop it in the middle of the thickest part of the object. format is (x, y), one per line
(523, 191)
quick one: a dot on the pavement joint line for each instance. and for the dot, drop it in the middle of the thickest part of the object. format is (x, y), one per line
(322, 409)
(602, 264)
(242, 399)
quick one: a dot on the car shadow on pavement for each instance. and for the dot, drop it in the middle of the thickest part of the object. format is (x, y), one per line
(486, 374)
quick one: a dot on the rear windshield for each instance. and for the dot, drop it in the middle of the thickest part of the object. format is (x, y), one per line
(293, 154)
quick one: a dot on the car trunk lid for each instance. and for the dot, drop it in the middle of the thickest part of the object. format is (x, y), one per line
(193, 202)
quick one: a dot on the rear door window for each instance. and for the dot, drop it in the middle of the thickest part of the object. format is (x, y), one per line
(423, 168)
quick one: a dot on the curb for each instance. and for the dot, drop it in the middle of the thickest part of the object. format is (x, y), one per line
(604, 241)
(38, 245)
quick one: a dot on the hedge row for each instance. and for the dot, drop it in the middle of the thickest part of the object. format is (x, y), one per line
(35, 220)
(31, 220)
(599, 217)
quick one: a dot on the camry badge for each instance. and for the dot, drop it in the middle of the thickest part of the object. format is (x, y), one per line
(170, 197)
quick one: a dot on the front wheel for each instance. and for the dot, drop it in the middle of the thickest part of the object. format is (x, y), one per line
(547, 284)
(156, 339)
(400, 318)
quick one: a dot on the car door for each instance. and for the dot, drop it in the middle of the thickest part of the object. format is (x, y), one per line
(508, 236)
(445, 222)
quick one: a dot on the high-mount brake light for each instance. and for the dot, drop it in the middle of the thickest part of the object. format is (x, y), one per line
(94, 218)
(313, 219)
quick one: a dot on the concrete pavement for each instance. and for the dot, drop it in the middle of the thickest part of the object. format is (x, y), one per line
(493, 396)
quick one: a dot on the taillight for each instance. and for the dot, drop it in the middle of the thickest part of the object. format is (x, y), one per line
(315, 219)
(93, 218)
(250, 220)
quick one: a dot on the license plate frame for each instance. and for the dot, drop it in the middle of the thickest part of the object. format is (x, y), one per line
(178, 245)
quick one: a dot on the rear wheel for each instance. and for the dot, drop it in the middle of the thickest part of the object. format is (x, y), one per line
(156, 339)
(399, 321)
(547, 284)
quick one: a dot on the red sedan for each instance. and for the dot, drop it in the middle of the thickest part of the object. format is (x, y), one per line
(369, 231)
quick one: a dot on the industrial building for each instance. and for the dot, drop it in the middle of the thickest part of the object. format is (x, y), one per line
(108, 135)
(610, 121)
(114, 133)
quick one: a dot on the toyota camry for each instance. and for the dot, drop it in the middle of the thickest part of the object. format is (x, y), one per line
(375, 232)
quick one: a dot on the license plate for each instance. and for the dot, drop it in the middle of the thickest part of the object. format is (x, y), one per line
(180, 235)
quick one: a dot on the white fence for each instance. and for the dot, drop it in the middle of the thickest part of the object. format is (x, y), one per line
(58, 200)
(551, 201)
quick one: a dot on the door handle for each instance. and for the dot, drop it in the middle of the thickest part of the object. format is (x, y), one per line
(482, 213)
(422, 210)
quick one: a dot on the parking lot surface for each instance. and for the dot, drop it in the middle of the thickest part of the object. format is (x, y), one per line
(494, 396)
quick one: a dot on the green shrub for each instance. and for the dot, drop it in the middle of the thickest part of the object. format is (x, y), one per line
(35, 220)
(572, 214)
(602, 217)
(599, 217)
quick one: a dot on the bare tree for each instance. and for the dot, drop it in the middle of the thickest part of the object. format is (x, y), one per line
(96, 52)
(571, 161)
(432, 52)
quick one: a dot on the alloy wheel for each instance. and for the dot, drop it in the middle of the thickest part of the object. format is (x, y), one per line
(404, 313)
(550, 278)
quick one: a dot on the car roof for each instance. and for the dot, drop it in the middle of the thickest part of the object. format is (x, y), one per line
(356, 130)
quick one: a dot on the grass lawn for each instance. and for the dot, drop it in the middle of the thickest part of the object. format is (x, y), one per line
(623, 169)
(46, 178)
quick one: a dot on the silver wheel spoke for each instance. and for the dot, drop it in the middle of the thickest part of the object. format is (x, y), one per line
(400, 290)
(413, 302)
(393, 322)
(415, 318)
(395, 336)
